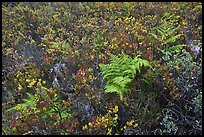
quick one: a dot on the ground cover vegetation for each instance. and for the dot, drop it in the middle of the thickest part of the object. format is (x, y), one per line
(113, 68)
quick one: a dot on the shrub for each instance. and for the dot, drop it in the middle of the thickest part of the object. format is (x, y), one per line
(61, 49)
(43, 108)
(186, 111)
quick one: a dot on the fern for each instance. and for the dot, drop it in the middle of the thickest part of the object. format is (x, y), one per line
(61, 46)
(120, 72)
(155, 36)
(172, 39)
(31, 101)
(166, 34)
(174, 49)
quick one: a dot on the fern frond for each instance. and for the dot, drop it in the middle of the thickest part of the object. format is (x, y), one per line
(125, 81)
(27, 102)
(140, 62)
(113, 58)
(144, 63)
(170, 31)
(167, 27)
(121, 81)
(111, 73)
(131, 72)
(161, 31)
(172, 39)
(155, 36)
(120, 72)
(66, 45)
(176, 48)
(112, 88)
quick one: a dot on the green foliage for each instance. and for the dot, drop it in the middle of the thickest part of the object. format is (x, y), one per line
(121, 71)
(31, 101)
(102, 124)
(186, 77)
(166, 35)
(165, 31)
(166, 28)
(61, 45)
(170, 126)
(44, 106)
(45, 42)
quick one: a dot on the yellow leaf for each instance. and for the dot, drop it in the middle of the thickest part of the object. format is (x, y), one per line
(177, 67)
(10, 34)
(165, 88)
(18, 108)
(135, 125)
(13, 101)
(20, 87)
(84, 127)
(116, 115)
(3, 44)
(105, 43)
(90, 124)
(90, 69)
(27, 80)
(92, 57)
(30, 86)
(126, 103)
(184, 22)
(109, 131)
(128, 123)
(14, 129)
(115, 109)
(44, 82)
(103, 118)
(38, 84)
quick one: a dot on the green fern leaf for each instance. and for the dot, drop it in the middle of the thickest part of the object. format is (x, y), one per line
(176, 48)
(111, 72)
(125, 81)
(161, 31)
(172, 39)
(120, 72)
(155, 36)
(121, 81)
(66, 45)
(112, 88)
(170, 31)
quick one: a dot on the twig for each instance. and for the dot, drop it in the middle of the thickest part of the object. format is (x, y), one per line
(27, 133)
